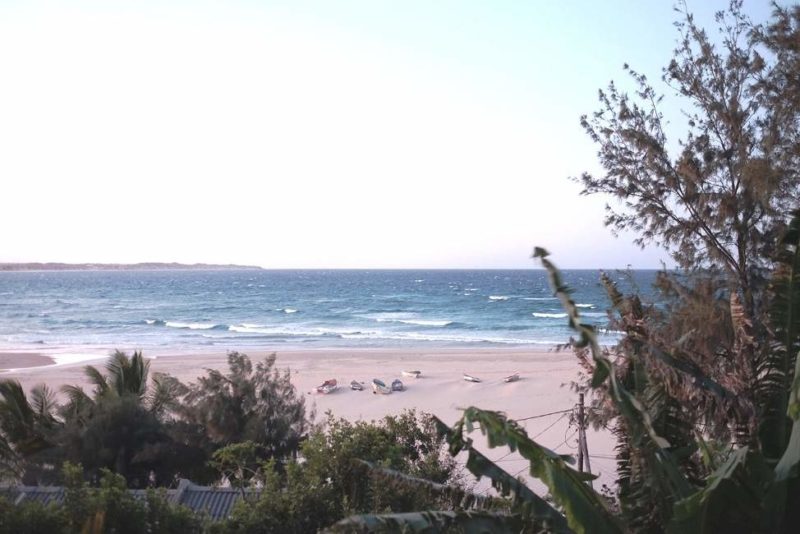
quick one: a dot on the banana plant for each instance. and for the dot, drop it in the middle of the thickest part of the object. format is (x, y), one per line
(745, 493)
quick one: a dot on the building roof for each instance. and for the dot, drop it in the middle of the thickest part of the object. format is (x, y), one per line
(216, 502)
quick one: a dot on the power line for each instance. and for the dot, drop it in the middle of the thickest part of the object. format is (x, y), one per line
(565, 441)
(603, 456)
(549, 427)
(542, 415)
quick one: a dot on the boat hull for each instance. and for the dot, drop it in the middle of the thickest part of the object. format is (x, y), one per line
(378, 387)
(329, 386)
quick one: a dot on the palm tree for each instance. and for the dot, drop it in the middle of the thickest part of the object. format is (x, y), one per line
(122, 424)
(28, 427)
(125, 375)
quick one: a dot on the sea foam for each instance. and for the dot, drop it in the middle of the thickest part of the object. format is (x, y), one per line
(191, 326)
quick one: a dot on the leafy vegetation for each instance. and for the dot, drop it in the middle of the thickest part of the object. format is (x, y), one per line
(149, 431)
(701, 391)
(340, 475)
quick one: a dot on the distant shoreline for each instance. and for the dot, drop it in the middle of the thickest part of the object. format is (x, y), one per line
(152, 266)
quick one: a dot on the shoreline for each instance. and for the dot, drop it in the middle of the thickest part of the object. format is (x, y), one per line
(13, 359)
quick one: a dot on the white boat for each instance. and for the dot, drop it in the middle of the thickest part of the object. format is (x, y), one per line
(470, 378)
(379, 387)
(412, 374)
(397, 385)
(356, 386)
(329, 386)
(511, 378)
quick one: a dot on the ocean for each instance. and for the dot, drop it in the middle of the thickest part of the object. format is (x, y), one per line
(78, 313)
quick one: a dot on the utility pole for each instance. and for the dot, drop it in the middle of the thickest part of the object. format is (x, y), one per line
(583, 448)
(580, 432)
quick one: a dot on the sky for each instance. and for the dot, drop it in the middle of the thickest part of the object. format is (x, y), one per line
(327, 134)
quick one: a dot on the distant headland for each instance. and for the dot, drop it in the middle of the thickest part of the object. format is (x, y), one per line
(150, 266)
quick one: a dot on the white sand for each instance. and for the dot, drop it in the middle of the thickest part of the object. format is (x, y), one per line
(543, 387)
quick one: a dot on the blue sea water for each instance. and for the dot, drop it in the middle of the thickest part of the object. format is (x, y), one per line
(274, 310)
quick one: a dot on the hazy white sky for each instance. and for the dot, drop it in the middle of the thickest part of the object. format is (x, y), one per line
(314, 134)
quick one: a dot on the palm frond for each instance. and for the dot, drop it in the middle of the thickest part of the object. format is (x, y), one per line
(20, 424)
(98, 380)
(16, 415)
(165, 393)
(139, 370)
(43, 402)
(78, 404)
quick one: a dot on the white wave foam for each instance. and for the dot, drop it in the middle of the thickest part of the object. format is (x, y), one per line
(288, 332)
(418, 336)
(389, 317)
(423, 322)
(252, 329)
(405, 318)
(584, 305)
(151, 321)
(550, 315)
(67, 358)
(498, 297)
(609, 331)
(190, 326)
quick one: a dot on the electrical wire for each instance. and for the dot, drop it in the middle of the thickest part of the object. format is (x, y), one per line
(542, 415)
(550, 426)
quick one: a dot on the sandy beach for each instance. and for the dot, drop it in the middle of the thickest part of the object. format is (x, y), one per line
(19, 360)
(543, 387)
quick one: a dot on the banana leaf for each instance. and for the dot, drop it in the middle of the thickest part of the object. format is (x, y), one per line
(537, 509)
(585, 510)
(432, 522)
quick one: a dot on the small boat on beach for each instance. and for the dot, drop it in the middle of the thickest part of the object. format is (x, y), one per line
(329, 386)
(378, 386)
(412, 374)
(397, 385)
(356, 386)
(511, 378)
(470, 378)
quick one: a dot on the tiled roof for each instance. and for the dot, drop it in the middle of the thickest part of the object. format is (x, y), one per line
(216, 502)
(40, 494)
